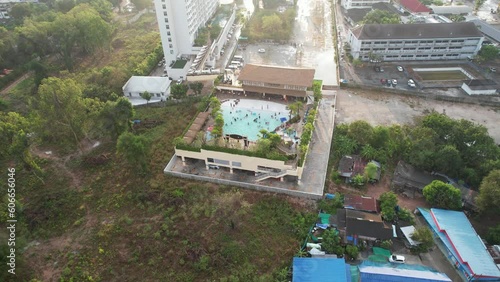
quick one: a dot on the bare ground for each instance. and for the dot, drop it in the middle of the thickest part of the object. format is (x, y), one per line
(385, 109)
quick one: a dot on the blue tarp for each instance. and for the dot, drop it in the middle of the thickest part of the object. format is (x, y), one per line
(319, 270)
(283, 119)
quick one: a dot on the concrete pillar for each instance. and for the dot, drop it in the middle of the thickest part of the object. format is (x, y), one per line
(281, 179)
(231, 170)
(183, 160)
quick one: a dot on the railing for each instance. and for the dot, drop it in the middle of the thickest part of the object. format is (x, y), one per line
(281, 173)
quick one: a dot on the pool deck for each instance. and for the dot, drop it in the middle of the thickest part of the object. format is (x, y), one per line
(315, 168)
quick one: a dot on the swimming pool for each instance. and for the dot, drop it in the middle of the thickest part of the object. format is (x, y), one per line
(248, 118)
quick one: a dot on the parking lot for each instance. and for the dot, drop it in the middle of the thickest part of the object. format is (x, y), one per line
(311, 44)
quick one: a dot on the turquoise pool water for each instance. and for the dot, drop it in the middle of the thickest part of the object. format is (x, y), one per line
(248, 122)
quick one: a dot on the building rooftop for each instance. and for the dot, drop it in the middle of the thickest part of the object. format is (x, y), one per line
(416, 31)
(320, 270)
(451, 10)
(361, 203)
(152, 84)
(460, 238)
(487, 29)
(415, 6)
(277, 75)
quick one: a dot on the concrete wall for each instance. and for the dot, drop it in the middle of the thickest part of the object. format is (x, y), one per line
(256, 187)
(247, 163)
(469, 91)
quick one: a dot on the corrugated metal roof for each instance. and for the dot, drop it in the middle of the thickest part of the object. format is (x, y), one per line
(319, 270)
(488, 29)
(456, 232)
(399, 272)
(152, 84)
(408, 232)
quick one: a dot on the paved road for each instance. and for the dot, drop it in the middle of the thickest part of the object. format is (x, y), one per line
(315, 169)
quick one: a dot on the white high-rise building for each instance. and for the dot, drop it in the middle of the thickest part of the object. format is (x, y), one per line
(179, 21)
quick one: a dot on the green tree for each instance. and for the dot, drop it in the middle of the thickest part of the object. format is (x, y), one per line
(448, 161)
(425, 237)
(360, 131)
(271, 24)
(331, 205)
(196, 87)
(379, 137)
(493, 235)
(368, 152)
(343, 145)
(352, 252)
(146, 96)
(331, 242)
(14, 130)
(388, 203)
(141, 4)
(381, 17)
(115, 117)
(371, 171)
(443, 195)
(358, 180)
(178, 91)
(134, 148)
(295, 108)
(60, 111)
(488, 200)
(488, 52)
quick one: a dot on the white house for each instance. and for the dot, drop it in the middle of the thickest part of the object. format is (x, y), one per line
(157, 86)
(480, 87)
(406, 42)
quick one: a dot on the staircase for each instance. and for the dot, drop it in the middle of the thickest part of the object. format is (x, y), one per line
(280, 173)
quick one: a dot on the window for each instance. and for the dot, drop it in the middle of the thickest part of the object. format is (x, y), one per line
(168, 33)
(165, 13)
(171, 51)
(166, 20)
(157, 94)
(170, 45)
(167, 26)
(170, 40)
(164, 6)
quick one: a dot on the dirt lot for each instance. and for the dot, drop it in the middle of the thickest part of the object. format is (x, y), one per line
(385, 109)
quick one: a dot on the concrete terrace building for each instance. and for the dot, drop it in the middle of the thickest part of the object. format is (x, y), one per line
(157, 86)
(285, 81)
(179, 21)
(356, 4)
(406, 42)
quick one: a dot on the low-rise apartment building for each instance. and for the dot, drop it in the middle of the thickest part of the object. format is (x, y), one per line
(407, 42)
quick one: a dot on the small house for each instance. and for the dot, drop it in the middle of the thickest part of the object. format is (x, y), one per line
(157, 86)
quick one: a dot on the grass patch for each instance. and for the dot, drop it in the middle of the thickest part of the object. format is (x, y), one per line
(179, 64)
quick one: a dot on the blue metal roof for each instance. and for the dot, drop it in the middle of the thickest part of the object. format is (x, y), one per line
(319, 270)
(460, 238)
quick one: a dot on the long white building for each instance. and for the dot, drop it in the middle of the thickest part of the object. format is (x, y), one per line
(405, 42)
(353, 4)
(179, 21)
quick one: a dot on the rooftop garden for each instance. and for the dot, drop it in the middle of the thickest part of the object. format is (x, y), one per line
(179, 64)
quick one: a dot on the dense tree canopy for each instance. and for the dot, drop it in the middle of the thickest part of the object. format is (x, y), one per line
(488, 53)
(381, 17)
(388, 203)
(443, 195)
(425, 237)
(489, 194)
(457, 148)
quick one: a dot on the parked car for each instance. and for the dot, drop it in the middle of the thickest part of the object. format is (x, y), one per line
(394, 82)
(411, 83)
(378, 69)
(492, 69)
(213, 166)
(400, 68)
(383, 81)
(261, 50)
(397, 259)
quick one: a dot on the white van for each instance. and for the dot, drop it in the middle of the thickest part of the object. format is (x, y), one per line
(238, 58)
(236, 63)
(232, 67)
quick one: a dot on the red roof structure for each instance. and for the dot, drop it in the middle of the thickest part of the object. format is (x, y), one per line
(360, 203)
(414, 6)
